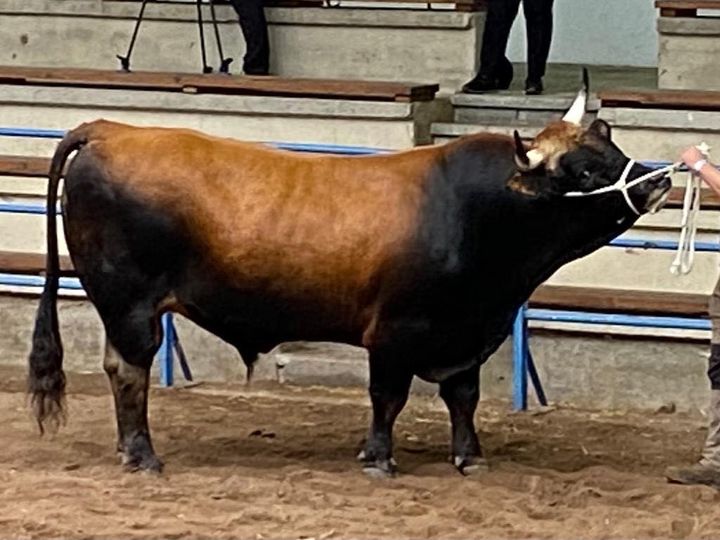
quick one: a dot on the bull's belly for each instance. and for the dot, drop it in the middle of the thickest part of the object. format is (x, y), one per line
(258, 320)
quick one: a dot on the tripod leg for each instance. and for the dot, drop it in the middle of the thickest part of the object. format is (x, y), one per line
(206, 68)
(125, 60)
(224, 62)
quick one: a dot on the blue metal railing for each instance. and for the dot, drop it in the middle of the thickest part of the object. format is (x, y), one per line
(523, 364)
(171, 342)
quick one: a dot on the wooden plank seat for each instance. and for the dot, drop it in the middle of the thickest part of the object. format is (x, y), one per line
(38, 167)
(15, 262)
(458, 5)
(598, 299)
(684, 8)
(546, 296)
(218, 84)
(696, 100)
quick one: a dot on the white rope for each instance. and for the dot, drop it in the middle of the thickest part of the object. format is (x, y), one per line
(685, 255)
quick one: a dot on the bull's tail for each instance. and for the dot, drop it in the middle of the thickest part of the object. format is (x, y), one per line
(46, 380)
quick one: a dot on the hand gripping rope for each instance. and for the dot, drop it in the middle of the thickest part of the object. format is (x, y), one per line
(685, 255)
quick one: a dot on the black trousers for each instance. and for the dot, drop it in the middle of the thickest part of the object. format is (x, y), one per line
(254, 29)
(500, 17)
(714, 360)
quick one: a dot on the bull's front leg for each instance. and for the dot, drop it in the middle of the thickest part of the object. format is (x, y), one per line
(461, 394)
(389, 387)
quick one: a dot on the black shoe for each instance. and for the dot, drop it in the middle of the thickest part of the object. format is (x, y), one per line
(533, 88)
(482, 84)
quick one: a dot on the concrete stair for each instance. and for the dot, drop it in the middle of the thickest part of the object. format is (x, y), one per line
(504, 112)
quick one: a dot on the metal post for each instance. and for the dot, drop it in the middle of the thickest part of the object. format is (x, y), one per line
(520, 361)
(205, 68)
(125, 60)
(224, 62)
(165, 353)
(182, 359)
(534, 377)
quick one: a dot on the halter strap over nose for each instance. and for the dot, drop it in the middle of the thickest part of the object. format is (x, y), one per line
(623, 186)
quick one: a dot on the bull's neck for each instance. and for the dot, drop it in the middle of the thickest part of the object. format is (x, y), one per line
(521, 242)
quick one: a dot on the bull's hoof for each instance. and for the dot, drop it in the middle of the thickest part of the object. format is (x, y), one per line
(471, 465)
(148, 463)
(380, 468)
(377, 468)
(697, 474)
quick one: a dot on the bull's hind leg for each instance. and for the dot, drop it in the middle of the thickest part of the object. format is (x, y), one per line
(129, 352)
(461, 394)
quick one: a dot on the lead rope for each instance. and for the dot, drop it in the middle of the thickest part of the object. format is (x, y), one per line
(685, 255)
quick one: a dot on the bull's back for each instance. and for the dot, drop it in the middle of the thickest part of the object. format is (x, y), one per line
(278, 231)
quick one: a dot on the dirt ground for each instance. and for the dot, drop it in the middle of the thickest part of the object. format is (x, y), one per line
(278, 462)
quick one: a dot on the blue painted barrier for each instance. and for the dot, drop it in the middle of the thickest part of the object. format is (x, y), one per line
(523, 364)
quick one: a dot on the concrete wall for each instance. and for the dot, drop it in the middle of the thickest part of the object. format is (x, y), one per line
(688, 53)
(406, 45)
(364, 123)
(597, 32)
(579, 369)
(661, 134)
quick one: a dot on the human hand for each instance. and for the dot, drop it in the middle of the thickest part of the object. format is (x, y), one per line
(691, 156)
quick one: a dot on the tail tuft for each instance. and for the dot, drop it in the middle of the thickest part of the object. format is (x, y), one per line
(46, 380)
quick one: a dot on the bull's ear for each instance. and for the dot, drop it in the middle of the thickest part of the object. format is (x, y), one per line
(600, 128)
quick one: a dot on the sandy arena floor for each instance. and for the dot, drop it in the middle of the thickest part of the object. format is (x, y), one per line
(278, 462)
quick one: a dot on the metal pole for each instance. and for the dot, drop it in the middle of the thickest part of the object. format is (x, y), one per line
(520, 361)
(534, 377)
(125, 60)
(638, 321)
(206, 68)
(224, 62)
(165, 353)
(182, 359)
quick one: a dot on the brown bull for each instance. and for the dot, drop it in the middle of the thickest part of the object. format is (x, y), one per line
(422, 257)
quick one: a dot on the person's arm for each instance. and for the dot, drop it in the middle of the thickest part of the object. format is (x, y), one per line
(693, 158)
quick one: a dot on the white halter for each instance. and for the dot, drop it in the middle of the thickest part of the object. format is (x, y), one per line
(622, 185)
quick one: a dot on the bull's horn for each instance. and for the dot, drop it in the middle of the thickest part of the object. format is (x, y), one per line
(577, 109)
(526, 161)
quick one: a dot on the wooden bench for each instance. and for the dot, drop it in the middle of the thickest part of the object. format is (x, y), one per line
(546, 296)
(38, 167)
(684, 8)
(458, 5)
(219, 84)
(620, 301)
(661, 99)
(32, 264)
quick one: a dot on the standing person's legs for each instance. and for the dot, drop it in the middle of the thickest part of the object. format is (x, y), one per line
(495, 69)
(539, 27)
(254, 29)
(707, 470)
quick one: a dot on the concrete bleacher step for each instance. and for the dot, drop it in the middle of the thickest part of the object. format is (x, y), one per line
(514, 107)
(443, 132)
(504, 112)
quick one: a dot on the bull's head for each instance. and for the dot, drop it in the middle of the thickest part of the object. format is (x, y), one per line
(566, 158)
